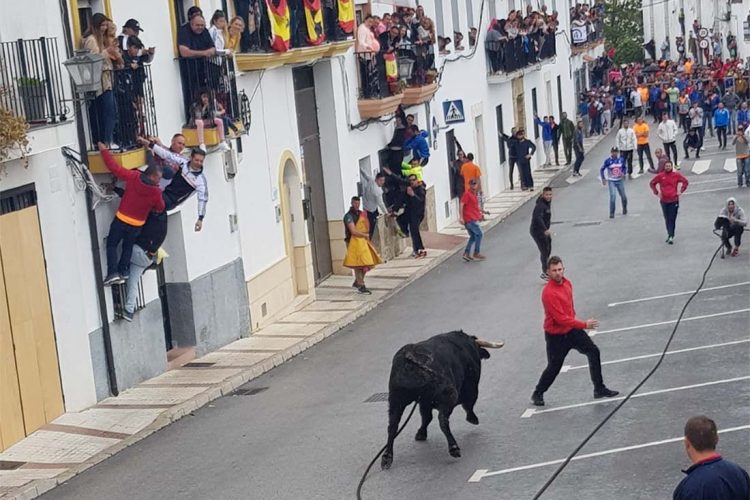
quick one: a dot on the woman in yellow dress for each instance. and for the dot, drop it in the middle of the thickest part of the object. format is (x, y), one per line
(361, 256)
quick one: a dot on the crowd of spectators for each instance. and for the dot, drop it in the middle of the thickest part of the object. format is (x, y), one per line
(586, 23)
(519, 41)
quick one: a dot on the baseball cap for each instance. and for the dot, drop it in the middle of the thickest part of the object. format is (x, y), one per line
(614, 148)
(133, 24)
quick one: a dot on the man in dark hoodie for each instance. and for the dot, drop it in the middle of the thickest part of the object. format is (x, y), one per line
(152, 235)
(541, 219)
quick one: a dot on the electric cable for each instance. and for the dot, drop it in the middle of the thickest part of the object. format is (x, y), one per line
(367, 470)
(635, 389)
(84, 179)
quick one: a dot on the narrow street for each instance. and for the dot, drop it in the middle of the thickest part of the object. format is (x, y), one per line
(309, 432)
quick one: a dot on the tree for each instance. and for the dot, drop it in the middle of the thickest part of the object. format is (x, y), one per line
(623, 30)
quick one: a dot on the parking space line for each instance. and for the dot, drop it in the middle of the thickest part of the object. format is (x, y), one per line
(567, 368)
(669, 322)
(480, 474)
(677, 294)
(530, 412)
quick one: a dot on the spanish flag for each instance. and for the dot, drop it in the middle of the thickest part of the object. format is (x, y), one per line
(314, 22)
(346, 16)
(278, 15)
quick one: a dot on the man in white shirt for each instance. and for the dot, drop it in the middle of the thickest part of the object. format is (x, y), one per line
(667, 132)
(372, 199)
(635, 99)
(625, 142)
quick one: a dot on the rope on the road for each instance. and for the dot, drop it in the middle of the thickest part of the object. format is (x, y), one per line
(640, 384)
(367, 470)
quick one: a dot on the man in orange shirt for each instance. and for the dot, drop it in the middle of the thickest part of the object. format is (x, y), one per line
(641, 136)
(471, 171)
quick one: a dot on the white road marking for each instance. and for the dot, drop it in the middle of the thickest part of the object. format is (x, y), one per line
(677, 294)
(480, 474)
(710, 181)
(730, 165)
(567, 368)
(573, 179)
(530, 412)
(701, 166)
(708, 190)
(670, 322)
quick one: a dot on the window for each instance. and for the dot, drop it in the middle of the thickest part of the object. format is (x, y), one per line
(548, 88)
(500, 132)
(493, 10)
(535, 109)
(439, 24)
(559, 97)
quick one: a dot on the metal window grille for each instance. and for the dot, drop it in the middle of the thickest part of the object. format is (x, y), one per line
(119, 297)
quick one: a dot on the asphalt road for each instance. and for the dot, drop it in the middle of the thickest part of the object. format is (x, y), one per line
(310, 434)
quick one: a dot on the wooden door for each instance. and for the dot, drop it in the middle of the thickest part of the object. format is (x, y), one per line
(26, 300)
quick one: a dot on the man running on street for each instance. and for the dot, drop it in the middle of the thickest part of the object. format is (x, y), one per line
(563, 332)
(612, 174)
(541, 219)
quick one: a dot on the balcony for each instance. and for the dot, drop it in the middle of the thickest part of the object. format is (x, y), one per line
(135, 115)
(510, 58)
(377, 96)
(418, 68)
(306, 43)
(586, 36)
(212, 78)
(31, 81)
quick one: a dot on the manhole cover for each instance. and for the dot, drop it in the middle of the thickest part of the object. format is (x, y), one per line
(378, 397)
(587, 223)
(250, 391)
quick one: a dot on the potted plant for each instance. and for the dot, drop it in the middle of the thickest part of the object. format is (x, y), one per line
(33, 96)
(13, 139)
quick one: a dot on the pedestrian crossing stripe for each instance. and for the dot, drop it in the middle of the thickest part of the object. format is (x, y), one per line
(701, 166)
(730, 165)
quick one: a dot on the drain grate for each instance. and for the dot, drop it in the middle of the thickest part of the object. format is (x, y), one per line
(250, 391)
(198, 364)
(10, 464)
(378, 397)
(587, 223)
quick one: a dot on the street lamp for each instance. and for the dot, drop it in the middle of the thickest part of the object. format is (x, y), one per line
(405, 65)
(85, 69)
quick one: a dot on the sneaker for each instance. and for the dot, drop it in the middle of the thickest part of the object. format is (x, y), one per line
(640, 171)
(127, 316)
(603, 392)
(414, 255)
(224, 147)
(735, 251)
(114, 146)
(537, 399)
(363, 290)
(544, 276)
(202, 146)
(355, 285)
(423, 253)
(479, 256)
(670, 240)
(611, 216)
(467, 257)
(400, 211)
(624, 211)
(112, 279)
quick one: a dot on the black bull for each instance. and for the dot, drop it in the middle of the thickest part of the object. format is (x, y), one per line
(441, 373)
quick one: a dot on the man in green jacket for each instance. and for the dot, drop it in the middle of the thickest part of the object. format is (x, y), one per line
(567, 130)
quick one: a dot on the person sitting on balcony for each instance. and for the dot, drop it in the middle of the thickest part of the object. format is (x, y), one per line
(418, 145)
(102, 111)
(190, 179)
(219, 34)
(142, 195)
(193, 40)
(201, 111)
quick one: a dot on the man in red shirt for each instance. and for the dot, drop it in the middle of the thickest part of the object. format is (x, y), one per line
(470, 215)
(669, 195)
(563, 332)
(142, 195)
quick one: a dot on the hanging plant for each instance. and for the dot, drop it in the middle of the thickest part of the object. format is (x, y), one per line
(13, 138)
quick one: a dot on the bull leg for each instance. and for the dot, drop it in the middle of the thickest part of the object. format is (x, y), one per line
(471, 393)
(444, 414)
(395, 411)
(425, 409)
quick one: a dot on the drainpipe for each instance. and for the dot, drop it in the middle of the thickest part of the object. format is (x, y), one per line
(93, 233)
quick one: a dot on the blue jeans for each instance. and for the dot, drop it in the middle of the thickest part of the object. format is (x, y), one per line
(102, 116)
(732, 121)
(475, 236)
(743, 168)
(139, 262)
(125, 233)
(673, 110)
(617, 187)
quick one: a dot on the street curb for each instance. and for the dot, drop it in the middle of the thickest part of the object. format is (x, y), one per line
(38, 487)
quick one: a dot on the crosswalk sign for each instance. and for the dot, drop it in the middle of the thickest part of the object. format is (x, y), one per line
(453, 111)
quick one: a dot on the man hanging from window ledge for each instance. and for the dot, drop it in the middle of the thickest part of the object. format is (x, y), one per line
(191, 179)
(146, 252)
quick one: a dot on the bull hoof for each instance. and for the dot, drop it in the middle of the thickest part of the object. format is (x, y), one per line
(472, 418)
(455, 451)
(385, 462)
(421, 435)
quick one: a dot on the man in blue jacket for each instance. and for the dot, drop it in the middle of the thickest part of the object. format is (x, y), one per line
(710, 477)
(612, 174)
(619, 108)
(721, 122)
(547, 137)
(418, 145)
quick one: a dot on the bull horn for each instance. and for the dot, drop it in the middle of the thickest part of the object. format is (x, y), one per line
(489, 345)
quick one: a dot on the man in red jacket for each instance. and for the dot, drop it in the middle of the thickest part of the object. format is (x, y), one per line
(563, 332)
(668, 181)
(142, 195)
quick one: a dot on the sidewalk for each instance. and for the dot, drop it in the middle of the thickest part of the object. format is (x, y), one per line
(76, 441)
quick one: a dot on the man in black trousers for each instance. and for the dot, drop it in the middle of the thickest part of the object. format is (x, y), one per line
(540, 228)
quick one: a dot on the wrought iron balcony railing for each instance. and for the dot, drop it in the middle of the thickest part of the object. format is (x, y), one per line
(512, 54)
